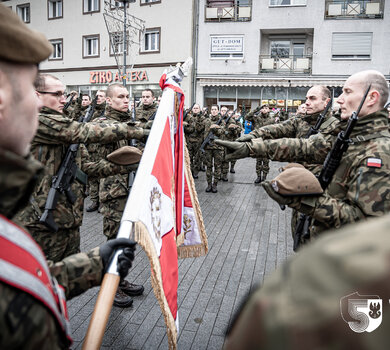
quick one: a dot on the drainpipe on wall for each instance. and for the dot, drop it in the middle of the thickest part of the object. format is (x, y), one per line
(195, 29)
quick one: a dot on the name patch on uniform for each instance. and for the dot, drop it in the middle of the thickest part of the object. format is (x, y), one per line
(374, 162)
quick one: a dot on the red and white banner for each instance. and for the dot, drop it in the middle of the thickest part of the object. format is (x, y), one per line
(155, 203)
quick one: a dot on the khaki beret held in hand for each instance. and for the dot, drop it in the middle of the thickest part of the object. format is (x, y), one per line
(18, 43)
(296, 181)
(125, 155)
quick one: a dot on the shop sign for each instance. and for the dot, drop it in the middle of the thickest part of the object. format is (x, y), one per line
(227, 44)
(106, 77)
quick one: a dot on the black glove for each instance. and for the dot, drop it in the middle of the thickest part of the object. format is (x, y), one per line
(245, 138)
(234, 150)
(108, 250)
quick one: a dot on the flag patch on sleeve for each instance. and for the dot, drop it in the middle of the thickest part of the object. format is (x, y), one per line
(374, 162)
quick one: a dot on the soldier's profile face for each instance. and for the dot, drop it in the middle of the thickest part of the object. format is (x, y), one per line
(51, 100)
(19, 112)
(120, 99)
(315, 102)
(147, 98)
(349, 100)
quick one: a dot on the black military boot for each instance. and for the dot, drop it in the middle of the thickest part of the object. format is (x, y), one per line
(214, 188)
(131, 288)
(93, 207)
(264, 177)
(195, 175)
(232, 170)
(258, 180)
(202, 168)
(121, 299)
(209, 188)
(224, 178)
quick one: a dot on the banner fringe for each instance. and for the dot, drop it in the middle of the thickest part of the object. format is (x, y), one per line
(142, 237)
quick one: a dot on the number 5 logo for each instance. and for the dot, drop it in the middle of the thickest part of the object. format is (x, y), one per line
(363, 313)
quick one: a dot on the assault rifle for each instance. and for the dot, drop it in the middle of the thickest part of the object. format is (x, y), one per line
(329, 168)
(67, 104)
(314, 130)
(210, 136)
(67, 173)
(133, 143)
(188, 111)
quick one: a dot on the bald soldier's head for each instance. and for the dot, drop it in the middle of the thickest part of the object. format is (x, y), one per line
(316, 99)
(21, 51)
(354, 89)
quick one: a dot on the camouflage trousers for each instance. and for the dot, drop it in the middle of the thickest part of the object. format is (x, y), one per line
(57, 245)
(112, 211)
(262, 165)
(225, 167)
(214, 157)
(193, 150)
(93, 185)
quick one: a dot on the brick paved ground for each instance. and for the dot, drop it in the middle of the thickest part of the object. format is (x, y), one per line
(248, 237)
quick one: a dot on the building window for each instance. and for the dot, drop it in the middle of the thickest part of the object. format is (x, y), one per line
(151, 41)
(91, 6)
(57, 49)
(23, 11)
(149, 2)
(54, 9)
(287, 2)
(351, 46)
(116, 43)
(91, 46)
(226, 46)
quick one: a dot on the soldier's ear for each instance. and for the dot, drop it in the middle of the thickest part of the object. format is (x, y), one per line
(373, 98)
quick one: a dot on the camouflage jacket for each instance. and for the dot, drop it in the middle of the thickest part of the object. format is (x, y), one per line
(117, 185)
(304, 303)
(360, 187)
(258, 120)
(293, 127)
(55, 133)
(310, 152)
(94, 147)
(194, 127)
(218, 131)
(143, 113)
(32, 325)
(232, 129)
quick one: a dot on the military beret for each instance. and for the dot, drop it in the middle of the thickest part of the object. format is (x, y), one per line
(20, 44)
(296, 181)
(125, 155)
(292, 165)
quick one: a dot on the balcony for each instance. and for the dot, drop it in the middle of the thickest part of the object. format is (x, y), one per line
(353, 9)
(228, 11)
(285, 65)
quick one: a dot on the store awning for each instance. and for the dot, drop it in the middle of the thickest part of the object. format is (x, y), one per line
(275, 81)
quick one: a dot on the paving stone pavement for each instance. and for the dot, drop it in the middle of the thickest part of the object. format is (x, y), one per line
(248, 237)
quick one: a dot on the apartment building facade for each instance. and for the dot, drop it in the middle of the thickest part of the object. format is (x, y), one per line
(251, 51)
(83, 56)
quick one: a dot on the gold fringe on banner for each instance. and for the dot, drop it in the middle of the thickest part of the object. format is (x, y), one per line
(141, 235)
(193, 251)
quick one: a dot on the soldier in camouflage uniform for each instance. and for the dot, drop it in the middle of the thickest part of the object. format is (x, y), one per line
(194, 131)
(214, 154)
(231, 131)
(304, 303)
(259, 120)
(31, 316)
(93, 183)
(297, 127)
(360, 186)
(55, 133)
(114, 190)
(148, 107)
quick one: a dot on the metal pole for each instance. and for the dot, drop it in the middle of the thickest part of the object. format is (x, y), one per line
(124, 76)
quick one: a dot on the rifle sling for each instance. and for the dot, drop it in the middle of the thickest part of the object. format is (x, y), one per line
(360, 138)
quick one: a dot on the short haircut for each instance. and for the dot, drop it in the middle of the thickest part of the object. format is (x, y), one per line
(324, 91)
(103, 91)
(89, 97)
(214, 106)
(149, 90)
(112, 87)
(40, 81)
(379, 83)
(264, 106)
